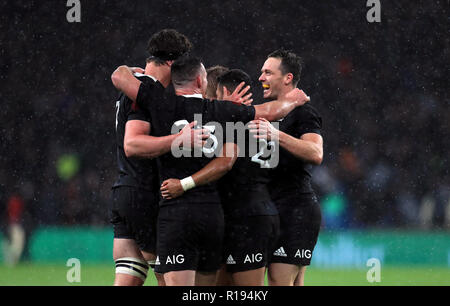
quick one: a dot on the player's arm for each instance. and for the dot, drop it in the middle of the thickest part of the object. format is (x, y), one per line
(309, 147)
(271, 111)
(213, 171)
(278, 109)
(138, 142)
(124, 80)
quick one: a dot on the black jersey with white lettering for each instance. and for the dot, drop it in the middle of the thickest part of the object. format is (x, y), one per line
(293, 176)
(243, 190)
(135, 172)
(167, 109)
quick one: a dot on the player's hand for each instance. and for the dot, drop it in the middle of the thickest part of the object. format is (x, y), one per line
(192, 138)
(137, 70)
(263, 129)
(239, 95)
(298, 96)
(171, 189)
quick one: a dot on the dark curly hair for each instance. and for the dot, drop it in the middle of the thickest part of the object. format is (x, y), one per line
(166, 45)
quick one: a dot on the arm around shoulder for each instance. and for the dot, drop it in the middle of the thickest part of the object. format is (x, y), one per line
(124, 80)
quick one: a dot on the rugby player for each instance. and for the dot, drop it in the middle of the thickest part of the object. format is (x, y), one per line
(251, 218)
(301, 146)
(212, 73)
(188, 232)
(135, 193)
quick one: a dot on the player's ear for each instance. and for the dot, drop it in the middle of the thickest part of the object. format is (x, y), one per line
(225, 91)
(288, 78)
(199, 81)
(218, 93)
(169, 63)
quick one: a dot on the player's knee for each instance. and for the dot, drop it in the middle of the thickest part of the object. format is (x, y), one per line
(132, 266)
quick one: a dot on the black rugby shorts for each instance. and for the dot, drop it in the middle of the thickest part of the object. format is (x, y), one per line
(300, 221)
(249, 242)
(133, 214)
(190, 237)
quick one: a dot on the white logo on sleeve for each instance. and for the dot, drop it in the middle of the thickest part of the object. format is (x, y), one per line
(280, 252)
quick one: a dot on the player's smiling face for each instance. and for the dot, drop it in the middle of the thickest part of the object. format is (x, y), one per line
(271, 78)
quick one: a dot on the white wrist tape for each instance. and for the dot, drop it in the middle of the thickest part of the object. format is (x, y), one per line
(187, 183)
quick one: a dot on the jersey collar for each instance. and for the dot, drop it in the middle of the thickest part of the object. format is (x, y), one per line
(137, 74)
(194, 96)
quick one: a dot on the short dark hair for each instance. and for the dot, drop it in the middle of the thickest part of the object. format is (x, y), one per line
(213, 74)
(185, 69)
(290, 63)
(232, 78)
(166, 45)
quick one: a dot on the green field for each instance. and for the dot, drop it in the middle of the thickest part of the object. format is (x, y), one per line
(103, 275)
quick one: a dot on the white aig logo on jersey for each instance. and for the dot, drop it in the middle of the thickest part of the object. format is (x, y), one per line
(175, 259)
(253, 258)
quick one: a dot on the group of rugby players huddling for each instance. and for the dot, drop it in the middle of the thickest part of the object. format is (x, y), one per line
(196, 205)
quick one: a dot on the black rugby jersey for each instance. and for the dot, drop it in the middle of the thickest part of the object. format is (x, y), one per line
(135, 172)
(243, 190)
(167, 109)
(293, 176)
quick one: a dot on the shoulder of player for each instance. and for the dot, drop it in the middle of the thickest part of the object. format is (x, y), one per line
(149, 81)
(306, 110)
(198, 100)
(128, 106)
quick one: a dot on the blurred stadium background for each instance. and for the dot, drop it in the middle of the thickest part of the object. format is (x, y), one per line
(381, 88)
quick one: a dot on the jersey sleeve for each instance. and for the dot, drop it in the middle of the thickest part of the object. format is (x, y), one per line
(137, 113)
(149, 95)
(225, 111)
(309, 121)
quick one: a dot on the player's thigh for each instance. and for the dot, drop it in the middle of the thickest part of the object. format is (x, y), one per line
(126, 248)
(180, 278)
(205, 278)
(249, 278)
(282, 274)
(223, 277)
